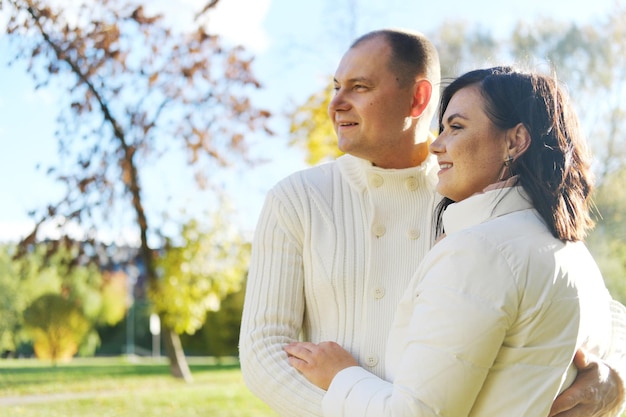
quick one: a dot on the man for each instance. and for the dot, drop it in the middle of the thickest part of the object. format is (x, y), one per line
(337, 244)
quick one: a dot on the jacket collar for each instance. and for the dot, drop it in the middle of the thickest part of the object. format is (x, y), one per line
(493, 202)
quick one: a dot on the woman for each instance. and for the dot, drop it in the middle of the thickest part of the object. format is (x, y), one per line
(486, 326)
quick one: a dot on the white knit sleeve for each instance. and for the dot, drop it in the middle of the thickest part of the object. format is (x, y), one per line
(273, 315)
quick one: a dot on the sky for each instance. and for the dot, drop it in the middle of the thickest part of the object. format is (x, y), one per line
(297, 45)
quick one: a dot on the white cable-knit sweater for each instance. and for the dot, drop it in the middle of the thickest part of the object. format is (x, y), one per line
(333, 252)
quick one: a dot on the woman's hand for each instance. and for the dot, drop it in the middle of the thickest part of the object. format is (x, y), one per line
(319, 363)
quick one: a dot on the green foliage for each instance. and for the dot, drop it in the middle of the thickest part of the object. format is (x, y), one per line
(101, 300)
(312, 130)
(11, 304)
(610, 199)
(58, 326)
(21, 282)
(608, 240)
(114, 298)
(82, 284)
(197, 274)
(219, 336)
(610, 255)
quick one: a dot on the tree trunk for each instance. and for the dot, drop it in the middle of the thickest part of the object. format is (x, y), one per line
(174, 351)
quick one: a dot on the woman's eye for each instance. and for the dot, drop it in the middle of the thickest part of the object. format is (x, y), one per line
(449, 127)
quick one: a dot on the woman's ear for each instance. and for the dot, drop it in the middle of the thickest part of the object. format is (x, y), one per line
(422, 93)
(518, 140)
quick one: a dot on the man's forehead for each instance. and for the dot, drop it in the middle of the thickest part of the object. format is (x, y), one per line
(364, 64)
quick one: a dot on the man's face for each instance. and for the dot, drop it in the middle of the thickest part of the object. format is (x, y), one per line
(371, 110)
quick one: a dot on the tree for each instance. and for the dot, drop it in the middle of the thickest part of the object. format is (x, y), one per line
(209, 263)
(135, 90)
(53, 268)
(219, 336)
(11, 305)
(312, 130)
(58, 326)
(22, 282)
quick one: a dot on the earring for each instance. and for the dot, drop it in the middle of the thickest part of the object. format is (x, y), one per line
(505, 173)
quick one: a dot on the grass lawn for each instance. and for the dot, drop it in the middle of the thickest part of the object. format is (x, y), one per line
(124, 387)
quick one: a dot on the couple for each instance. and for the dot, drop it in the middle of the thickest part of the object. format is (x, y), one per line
(489, 321)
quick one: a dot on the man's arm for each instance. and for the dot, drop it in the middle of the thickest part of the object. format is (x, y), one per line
(598, 390)
(272, 317)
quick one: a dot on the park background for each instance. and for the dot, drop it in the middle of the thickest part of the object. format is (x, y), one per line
(293, 47)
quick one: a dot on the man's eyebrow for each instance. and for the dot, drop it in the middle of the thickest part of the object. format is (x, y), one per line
(355, 80)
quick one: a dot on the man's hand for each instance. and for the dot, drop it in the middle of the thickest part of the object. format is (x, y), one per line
(319, 363)
(596, 392)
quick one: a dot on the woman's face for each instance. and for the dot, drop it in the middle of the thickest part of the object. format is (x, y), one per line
(470, 149)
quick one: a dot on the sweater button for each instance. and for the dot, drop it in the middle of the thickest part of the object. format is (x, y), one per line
(379, 230)
(413, 234)
(379, 292)
(411, 183)
(371, 360)
(376, 180)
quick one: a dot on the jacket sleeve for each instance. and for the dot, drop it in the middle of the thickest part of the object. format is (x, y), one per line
(447, 333)
(273, 314)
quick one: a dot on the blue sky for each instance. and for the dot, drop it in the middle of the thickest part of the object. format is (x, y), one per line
(297, 43)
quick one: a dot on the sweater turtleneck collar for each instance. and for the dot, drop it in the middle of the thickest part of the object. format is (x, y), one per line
(357, 171)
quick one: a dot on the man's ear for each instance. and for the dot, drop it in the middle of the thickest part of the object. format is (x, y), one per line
(518, 140)
(422, 93)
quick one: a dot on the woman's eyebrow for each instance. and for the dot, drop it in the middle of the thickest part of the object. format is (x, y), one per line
(456, 115)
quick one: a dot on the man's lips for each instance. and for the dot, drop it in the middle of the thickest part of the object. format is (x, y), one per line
(346, 124)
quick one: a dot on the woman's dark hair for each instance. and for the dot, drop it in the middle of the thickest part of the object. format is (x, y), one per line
(555, 170)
